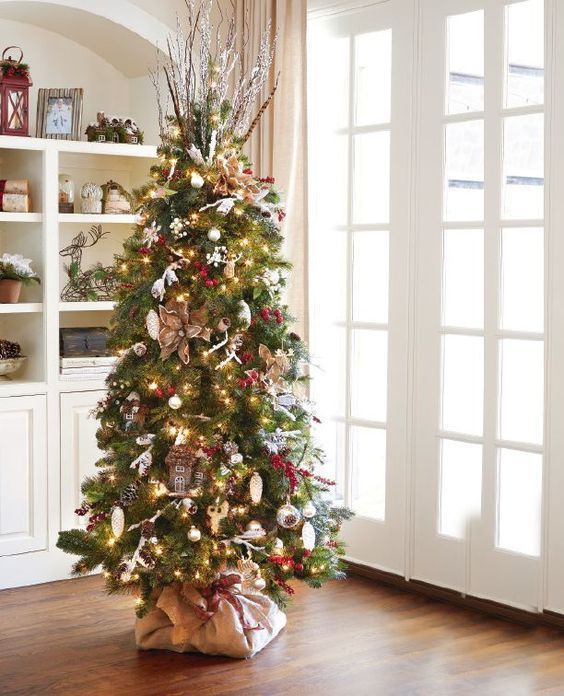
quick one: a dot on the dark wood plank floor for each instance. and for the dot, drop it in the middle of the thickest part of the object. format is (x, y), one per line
(352, 638)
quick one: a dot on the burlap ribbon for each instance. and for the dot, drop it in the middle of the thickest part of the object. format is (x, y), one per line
(218, 590)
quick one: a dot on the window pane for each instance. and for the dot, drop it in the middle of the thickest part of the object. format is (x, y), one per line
(369, 393)
(329, 170)
(368, 471)
(465, 76)
(524, 68)
(330, 435)
(522, 279)
(370, 276)
(328, 75)
(328, 345)
(522, 379)
(523, 167)
(464, 171)
(463, 278)
(463, 384)
(373, 75)
(371, 197)
(461, 485)
(519, 501)
(329, 299)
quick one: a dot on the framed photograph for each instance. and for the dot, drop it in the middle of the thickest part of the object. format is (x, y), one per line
(59, 113)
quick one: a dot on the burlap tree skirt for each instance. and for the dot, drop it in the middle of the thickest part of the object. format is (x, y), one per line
(217, 620)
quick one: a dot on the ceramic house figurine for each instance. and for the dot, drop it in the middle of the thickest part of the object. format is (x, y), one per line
(179, 461)
(91, 197)
(133, 412)
(116, 199)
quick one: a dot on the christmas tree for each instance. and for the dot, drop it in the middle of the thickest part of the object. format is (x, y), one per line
(209, 460)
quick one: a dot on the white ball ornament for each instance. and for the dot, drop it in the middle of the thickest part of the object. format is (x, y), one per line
(309, 509)
(214, 235)
(175, 402)
(254, 529)
(194, 534)
(259, 582)
(196, 180)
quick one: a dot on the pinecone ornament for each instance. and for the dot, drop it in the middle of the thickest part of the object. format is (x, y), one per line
(9, 349)
(129, 494)
(147, 529)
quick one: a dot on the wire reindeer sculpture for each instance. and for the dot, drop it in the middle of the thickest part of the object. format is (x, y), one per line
(97, 283)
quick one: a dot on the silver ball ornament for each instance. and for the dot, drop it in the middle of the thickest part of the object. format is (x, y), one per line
(288, 516)
(214, 235)
(194, 534)
(175, 402)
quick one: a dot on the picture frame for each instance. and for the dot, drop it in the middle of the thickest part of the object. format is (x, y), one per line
(59, 113)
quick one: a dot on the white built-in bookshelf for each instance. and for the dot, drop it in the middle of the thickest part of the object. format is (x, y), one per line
(41, 234)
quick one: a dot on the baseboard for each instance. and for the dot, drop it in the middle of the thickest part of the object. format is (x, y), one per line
(441, 594)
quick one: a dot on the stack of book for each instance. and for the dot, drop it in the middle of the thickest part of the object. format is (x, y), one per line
(86, 367)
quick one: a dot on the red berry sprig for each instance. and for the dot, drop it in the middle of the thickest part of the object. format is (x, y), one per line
(289, 469)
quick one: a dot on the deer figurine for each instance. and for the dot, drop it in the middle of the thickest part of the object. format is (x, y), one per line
(96, 283)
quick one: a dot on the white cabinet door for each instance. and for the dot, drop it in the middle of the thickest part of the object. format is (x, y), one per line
(23, 475)
(79, 451)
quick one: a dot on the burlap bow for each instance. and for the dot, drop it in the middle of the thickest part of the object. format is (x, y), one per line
(218, 590)
(177, 326)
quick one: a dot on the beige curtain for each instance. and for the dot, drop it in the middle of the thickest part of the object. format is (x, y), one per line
(278, 146)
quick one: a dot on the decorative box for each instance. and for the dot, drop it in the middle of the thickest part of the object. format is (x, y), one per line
(89, 341)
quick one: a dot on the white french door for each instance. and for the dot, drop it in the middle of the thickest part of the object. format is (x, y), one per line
(480, 311)
(359, 172)
(437, 312)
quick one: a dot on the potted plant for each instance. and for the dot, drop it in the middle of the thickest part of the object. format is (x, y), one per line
(15, 271)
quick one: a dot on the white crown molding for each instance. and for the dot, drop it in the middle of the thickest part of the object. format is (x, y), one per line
(319, 9)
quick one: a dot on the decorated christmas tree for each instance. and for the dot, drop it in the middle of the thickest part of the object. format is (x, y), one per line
(207, 494)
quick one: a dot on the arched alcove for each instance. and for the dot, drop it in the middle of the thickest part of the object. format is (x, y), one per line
(104, 47)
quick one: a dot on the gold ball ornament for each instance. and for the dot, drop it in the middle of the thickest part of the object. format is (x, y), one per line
(194, 534)
(175, 402)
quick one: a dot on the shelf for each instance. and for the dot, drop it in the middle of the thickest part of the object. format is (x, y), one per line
(21, 308)
(12, 142)
(81, 385)
(86, 306)
(102, 219)
(21, 217)
(15, 387)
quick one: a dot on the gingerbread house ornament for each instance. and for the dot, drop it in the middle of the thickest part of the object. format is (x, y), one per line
(179, 461)
(133, 412)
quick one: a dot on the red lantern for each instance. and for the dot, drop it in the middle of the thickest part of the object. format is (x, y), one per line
(14, 94)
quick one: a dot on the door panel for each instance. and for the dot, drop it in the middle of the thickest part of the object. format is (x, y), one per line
(79, 451)
(23, 475)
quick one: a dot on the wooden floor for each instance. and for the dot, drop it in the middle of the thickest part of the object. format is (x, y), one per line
(352, 638)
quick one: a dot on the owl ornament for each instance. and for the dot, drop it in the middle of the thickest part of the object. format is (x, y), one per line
(215, 514)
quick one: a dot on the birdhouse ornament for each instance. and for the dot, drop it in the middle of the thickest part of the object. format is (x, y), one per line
(14, 93)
